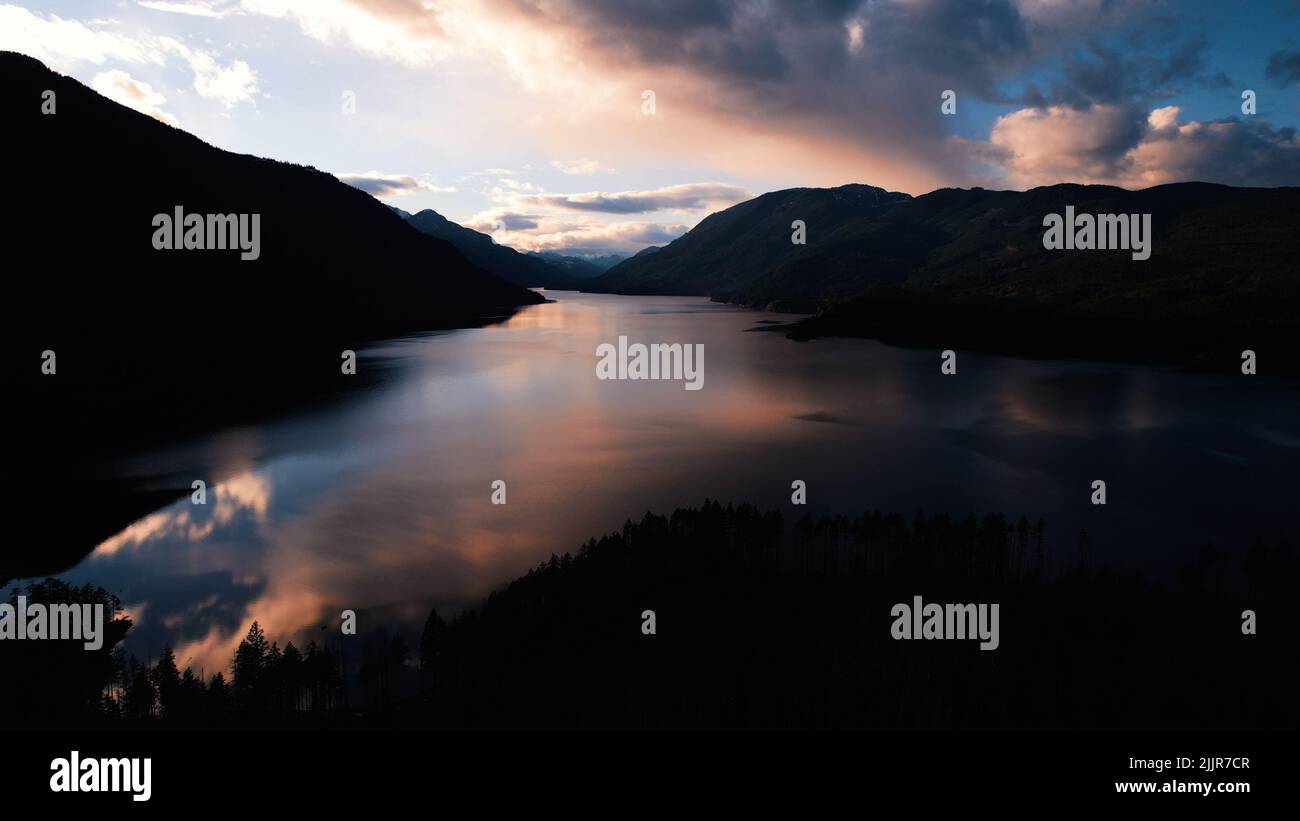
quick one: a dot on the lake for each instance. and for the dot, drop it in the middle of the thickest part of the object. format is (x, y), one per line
(381, 502)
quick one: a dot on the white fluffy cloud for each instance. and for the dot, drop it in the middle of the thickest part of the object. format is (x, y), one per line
(62, 44)
(228, 85)
(1059, 143)
(407, 32)
(65, 45)
(195, 8)
(122, 88)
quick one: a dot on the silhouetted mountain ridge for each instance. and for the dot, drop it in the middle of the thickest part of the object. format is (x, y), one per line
(731, 252)
(149, 341)
(483, 251)
(967, 267)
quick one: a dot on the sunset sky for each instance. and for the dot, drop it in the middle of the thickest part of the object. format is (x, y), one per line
(524, 118)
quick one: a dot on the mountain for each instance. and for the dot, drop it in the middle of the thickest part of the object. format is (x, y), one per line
(606, 261)
(967, 268)
(745, 253)
(483, 251)
(148, 343)
(580, 267)
(333, 263)
(399, 212)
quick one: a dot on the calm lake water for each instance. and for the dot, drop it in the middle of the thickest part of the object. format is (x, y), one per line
(381, 503)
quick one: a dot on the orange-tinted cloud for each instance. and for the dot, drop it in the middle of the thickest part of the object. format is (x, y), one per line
(1107, 144)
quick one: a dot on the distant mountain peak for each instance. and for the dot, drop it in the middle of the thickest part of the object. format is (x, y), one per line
(587, 266)
(484, 251)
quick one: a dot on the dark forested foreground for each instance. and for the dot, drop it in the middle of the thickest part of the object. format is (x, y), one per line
(756, 626)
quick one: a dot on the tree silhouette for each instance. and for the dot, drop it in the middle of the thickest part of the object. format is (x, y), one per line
(249, 668)
(216, 700)
(760, 627)
(166, 680)
(52, 682)
(431, 642)
(191, 696)
(140, 696)
(291, 676)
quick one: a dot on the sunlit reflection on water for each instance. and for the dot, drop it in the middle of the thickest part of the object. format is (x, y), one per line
(383, 505)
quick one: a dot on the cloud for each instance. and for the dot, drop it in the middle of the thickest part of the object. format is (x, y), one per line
(121, 87)
(1141, 68)
(540, 232)
(513, 222)
(66, 44)
(733, 78)
(409, 32)
(379, 184)
(1229, 151)
(529, 218)
(507, 188)
(820, 92)
(1056, 14)
(623, 237)
(62, 44)
(845, 90)
(687, 197)
(232, 84)
(1041, 146)
(244, 495)
(1283, 67)
(195, 8)
(584, 168)
(1111, 144)
(228, 85)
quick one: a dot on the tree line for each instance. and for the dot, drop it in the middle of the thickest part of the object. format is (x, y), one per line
(758, 624)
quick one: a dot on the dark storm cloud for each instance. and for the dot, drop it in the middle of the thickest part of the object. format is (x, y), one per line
(1134, 73)
(656, 15)
(863, 72)
(871, 72)
(773, 40)
(1234, 151)
(1284, 67)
